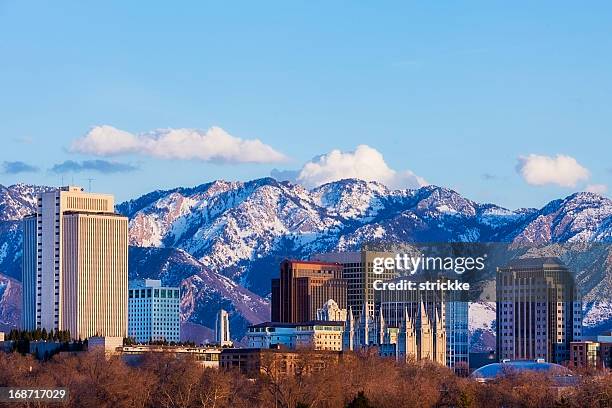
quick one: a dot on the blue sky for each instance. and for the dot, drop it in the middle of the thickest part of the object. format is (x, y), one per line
(455, 93)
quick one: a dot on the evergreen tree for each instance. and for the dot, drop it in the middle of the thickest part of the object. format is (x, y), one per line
(360, 401)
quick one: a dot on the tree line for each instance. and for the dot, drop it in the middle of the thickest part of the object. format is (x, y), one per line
(355, 381)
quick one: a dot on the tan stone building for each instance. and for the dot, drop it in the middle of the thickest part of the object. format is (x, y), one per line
(75, 265)
(419, 337)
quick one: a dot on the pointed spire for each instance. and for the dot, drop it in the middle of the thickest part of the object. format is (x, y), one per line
(349, 330)
(407, 321)
(364, 313)
(422, 311)
(381, 326)
(438, 322)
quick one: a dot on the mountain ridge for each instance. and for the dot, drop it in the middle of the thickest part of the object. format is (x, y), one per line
(230, 231)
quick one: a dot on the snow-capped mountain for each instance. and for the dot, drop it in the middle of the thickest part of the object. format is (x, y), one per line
(219, 234)
(237, 229)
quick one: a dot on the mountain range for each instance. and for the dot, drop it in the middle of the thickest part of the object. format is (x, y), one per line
(222, 241)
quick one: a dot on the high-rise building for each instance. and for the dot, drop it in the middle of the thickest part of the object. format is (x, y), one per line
(222, 329)
(303, 288)
(538, 310)
(154, 311)
(358, 272)
(75, 265)
(457, 336)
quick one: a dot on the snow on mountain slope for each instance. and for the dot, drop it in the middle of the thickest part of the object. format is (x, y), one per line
(238, 232)
(10, 303)
(580, 217)
(234, 227)
(482, 326)
(18, 200)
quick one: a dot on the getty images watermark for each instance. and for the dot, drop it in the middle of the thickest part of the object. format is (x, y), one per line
(406, 264)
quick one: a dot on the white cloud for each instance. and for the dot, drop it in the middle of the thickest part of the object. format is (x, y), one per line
(214, 145)
(365, 163)
(561, 170)
(596, 188)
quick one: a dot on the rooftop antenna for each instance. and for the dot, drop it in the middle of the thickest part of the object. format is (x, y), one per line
(62, 184)
(90, 180)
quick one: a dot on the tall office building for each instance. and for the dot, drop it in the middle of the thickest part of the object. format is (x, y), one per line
(457, 336)
(358, 272)
(154, 311)
(75, 268)
(538, 311)
(303, 288)
(222, 329)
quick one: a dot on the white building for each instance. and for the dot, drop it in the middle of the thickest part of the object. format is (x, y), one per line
(331, 312)
(222, 330)
(75, 252)
(154, 311)
(316, 335)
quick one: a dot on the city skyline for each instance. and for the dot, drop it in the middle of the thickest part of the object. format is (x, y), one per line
(487, 92)
(306, 204)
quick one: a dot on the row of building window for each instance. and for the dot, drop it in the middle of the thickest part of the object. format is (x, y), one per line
(156, 293)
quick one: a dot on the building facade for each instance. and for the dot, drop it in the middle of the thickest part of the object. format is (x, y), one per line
(538, 311)
(419, 336)
(358, 272)
(75, 251)
(314, 335)
(222, 329)
(592, 352)
(331, 312)
(207, 357)
(253, 361)
(154, 311)
(457, 336)
(303, 287)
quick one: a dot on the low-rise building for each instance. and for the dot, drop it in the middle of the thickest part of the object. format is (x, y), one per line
(316, 335)
(109, 345)
(204, 356)
(584, 354)
(560, 376)
(592, 351)
(275, 361)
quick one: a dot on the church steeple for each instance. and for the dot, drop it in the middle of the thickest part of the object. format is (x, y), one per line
(382, 327)
(349, 330)
(364, 326)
